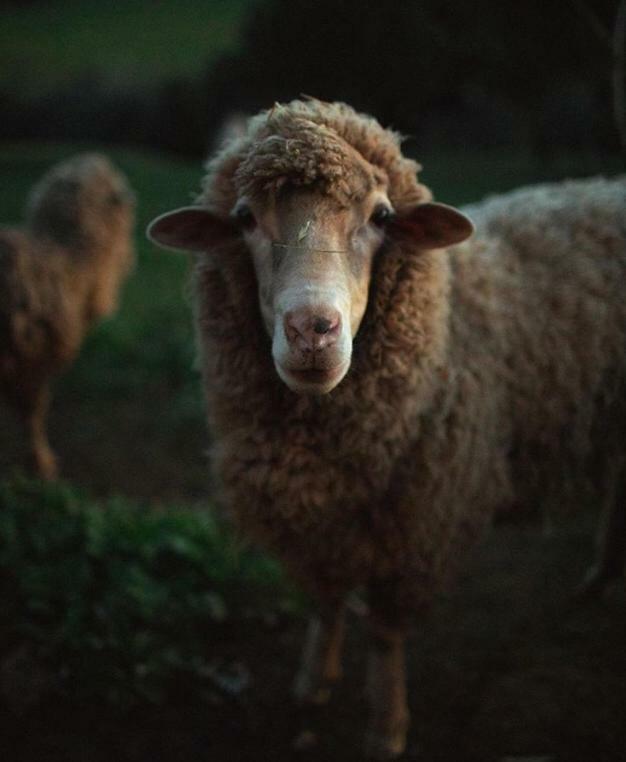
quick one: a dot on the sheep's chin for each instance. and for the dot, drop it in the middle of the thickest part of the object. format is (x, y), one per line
(313, 382)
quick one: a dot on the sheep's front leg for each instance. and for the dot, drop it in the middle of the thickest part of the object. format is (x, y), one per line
(386, 686)
(34, 410)
(320, 668)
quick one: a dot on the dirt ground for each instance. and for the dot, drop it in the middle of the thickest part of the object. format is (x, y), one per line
(118, 446)
(506, 668)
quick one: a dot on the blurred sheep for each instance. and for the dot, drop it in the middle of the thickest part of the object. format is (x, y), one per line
(59, 274)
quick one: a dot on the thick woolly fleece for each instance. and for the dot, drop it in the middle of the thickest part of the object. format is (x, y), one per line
(63, 271)
(478, 373)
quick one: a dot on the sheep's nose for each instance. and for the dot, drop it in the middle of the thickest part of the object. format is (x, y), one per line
(312, 330)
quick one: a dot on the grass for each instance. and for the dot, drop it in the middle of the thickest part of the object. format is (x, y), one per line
(45, 44)
(114, 601)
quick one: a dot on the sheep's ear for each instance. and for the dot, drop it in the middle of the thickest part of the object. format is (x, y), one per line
(190, 228)
(434, 226)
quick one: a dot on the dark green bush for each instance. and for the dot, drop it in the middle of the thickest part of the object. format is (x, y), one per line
(118, 602)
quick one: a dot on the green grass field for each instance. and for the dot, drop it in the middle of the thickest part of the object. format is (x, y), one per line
(46, 44)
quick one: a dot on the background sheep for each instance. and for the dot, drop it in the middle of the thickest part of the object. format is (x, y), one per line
(433, 387)
(58, 275)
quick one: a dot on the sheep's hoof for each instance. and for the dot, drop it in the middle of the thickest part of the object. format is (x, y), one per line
(385, 745)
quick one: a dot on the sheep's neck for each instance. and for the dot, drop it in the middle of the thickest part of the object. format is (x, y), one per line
(91, 272)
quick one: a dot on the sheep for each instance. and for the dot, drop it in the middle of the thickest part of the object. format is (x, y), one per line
(380, 383)
(58, 275)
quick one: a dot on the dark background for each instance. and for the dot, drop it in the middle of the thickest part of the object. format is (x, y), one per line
(535, 74)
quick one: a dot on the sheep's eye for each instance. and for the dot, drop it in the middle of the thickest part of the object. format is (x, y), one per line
(381, 215)
(243, 217)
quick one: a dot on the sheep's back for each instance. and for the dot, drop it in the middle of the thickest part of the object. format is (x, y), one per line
(553, 262)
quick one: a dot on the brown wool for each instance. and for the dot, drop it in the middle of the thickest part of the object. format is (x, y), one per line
(482, 376)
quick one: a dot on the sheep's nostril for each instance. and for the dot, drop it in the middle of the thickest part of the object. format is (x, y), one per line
(307, 331)
(322, 325)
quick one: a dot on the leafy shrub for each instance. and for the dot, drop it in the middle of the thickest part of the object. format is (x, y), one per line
(120, 602)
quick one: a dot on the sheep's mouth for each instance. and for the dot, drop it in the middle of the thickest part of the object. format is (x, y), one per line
(314, 375)
(313, 380)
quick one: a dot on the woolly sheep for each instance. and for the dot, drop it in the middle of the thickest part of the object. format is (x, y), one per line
(377, 396)
(59, 275)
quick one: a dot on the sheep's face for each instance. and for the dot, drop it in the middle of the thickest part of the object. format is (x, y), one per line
(313, 259)
(312, 254)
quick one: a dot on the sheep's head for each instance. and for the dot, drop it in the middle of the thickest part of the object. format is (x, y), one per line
(82, 200)
(313, 215)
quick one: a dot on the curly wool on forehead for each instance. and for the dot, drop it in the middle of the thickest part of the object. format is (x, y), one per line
(312, 143)
(307, 154)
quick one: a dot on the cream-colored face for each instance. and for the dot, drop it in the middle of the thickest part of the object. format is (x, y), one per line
(313, 257)
(313, 262)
